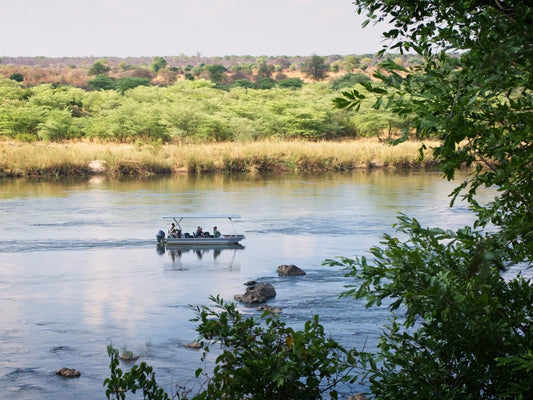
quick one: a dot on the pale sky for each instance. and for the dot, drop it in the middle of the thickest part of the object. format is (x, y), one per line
(122, 28)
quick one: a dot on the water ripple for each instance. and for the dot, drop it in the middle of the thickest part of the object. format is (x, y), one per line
(15, 246)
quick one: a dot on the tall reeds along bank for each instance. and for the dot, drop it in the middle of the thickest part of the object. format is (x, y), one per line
(85, 158)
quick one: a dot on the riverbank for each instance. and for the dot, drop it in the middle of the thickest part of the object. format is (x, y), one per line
(40, 159)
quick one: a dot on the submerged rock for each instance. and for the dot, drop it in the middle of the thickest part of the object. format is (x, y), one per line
(275, 310)
(257, 294)
(128, 356)
(68, 372)
(290, 270)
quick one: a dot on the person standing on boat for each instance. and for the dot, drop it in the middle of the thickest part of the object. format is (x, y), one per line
(216, 232)
(199, 232)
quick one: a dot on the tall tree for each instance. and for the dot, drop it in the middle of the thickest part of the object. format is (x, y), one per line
(467, 331)
(316, 68)
(216, 72)
(158, 63)
(100, 67)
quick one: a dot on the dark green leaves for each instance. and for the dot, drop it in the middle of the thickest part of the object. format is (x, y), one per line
(265, 359)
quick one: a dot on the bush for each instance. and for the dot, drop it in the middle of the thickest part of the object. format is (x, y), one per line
(270, 361)
(294, 83)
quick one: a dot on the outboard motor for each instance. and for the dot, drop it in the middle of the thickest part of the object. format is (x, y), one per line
(160, 236)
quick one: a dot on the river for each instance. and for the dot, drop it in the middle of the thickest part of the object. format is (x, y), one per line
(80, 269)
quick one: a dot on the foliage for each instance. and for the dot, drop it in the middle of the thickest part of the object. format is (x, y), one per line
(102, 82)
(315, 67)
(17, 77)
(458, 319)
(100, 67)
(127, 82)
(270, 361)
(464, 325)
(349, 80)
(295, 83)
(128, 109)
(158, 63)
(216, 72)
(140, 377)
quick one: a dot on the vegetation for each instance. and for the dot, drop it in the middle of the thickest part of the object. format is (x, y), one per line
(461, 326)
(269, 361)
(462, 330)
(77, 71)
(127, 110)
(140, 158)
(260, 359)
(316, 68)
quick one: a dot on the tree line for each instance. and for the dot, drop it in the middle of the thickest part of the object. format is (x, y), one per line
(167, 70)
(187, 111)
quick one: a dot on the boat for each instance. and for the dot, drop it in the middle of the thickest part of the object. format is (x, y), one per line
(182, 238)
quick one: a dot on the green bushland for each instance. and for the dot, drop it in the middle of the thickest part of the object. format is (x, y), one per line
(75, 157)
(185, 112)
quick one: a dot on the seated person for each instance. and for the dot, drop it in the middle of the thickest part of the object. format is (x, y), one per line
(216, 232)
(199, 232)
(173, 231)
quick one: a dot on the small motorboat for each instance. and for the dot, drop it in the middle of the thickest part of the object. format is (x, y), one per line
(181, 238)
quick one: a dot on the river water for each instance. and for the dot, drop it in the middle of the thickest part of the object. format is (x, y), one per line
(80, 269)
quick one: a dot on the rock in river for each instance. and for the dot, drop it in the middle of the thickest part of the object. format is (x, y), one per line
(68, 372)
(257, 294)
(290, 270)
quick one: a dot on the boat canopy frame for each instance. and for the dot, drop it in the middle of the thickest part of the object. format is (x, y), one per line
(178, 218)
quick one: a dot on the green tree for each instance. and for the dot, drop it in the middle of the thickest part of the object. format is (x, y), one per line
(349, 80)
(100, 67)
(130, 82)
(463, 330)
(17, 77)
(101, 82)
(158, 63)
(216, 72)
(295, 83)
(264, 70)
(316, 68)
(351, 62)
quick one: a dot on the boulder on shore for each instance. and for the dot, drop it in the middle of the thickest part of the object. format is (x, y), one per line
(257, 294)
(290, 270)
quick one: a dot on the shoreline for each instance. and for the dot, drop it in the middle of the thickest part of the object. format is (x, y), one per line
(78, 159)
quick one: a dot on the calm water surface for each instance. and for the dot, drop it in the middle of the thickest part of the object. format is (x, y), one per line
(79, 265)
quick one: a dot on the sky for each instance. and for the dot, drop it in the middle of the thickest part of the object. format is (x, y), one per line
(134, 28)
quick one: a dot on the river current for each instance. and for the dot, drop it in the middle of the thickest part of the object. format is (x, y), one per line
(80, 269)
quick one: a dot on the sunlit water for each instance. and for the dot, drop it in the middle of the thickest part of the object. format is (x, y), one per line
(80, 269)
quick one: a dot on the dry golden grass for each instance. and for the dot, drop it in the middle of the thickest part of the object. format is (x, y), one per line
(74, 158)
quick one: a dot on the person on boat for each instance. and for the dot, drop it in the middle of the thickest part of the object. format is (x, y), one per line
(216, 232)
(173, 230)
(199, 232)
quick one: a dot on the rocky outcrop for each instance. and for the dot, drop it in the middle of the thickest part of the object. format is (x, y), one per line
(290, 270)
(68, 372)
(257, 294)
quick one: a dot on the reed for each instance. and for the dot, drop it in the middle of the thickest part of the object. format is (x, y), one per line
(79, 158)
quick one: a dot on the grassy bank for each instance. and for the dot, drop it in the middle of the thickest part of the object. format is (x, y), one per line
(84, 158)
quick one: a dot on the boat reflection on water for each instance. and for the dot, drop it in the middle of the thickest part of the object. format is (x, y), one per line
(181, 254)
